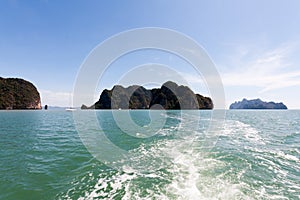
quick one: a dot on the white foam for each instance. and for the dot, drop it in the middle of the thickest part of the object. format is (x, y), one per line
(241, 133)
(189, 170)
(189, 173)
(191, 180)
(287, 156)
(115, 184)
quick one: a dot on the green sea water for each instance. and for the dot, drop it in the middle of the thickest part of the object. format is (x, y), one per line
(256, 155)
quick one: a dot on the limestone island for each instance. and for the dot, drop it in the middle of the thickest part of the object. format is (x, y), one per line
(16, 93)
(256, 104)
(170, 97)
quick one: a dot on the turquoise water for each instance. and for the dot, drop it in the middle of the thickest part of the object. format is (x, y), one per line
(256, 156)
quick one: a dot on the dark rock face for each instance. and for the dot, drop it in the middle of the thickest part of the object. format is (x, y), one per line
(18, 94)
(169, 96)
(256, 104)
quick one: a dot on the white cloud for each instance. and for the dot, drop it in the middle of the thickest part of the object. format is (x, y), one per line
(268, 70)
(261, 71)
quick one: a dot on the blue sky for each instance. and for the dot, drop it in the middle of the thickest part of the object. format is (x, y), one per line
(254, 44)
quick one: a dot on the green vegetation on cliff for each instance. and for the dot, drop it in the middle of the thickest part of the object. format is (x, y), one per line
(169, 96)
(17, 93)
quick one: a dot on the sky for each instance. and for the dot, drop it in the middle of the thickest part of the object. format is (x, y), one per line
(253, 44)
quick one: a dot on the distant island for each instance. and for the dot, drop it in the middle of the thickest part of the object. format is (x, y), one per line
(16, 93)
(256, 104)
(169, 96)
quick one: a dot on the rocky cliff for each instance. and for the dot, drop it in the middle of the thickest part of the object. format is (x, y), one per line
(17, 93)
(256, 104)
(169, 96)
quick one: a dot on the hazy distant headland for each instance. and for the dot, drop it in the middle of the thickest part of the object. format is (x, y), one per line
(169, 96)
(16, 93)
(256, 104)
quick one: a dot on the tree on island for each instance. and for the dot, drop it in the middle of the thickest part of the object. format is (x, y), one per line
(169, 96)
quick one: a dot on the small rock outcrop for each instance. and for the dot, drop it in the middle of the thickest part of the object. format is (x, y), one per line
(17, 93)
(256, 104)
(169, 96)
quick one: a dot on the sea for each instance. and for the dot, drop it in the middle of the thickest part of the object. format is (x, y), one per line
(146, 154)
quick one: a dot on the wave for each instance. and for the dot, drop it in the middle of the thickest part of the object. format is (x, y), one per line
(175, 168)
(242, 165)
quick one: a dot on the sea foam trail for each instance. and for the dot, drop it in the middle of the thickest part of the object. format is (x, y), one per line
(183, 178)
(176, 169)
(242, 165)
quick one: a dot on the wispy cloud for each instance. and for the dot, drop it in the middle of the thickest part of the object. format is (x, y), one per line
(268, 70)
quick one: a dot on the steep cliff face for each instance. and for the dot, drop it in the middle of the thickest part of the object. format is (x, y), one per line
(256, 104)
(169, 96)
(17, 93)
